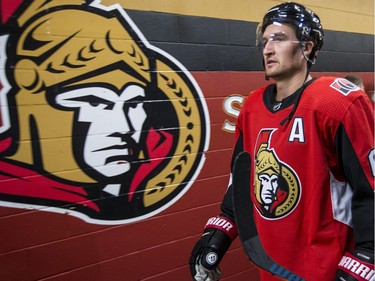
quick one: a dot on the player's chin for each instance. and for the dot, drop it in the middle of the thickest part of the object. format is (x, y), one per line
(273, 74)
(270, 72)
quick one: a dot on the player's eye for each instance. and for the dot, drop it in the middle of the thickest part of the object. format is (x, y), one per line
(274, 38)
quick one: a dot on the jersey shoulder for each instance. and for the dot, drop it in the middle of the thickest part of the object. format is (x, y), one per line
(331, 95)
(254, 97)
(335, 88)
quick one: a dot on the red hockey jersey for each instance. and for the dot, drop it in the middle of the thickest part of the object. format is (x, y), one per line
(312, 175)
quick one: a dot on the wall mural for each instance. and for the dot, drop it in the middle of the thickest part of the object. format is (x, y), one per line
(95, 121)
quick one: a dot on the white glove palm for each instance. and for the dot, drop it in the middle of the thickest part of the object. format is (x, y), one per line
(203, 274)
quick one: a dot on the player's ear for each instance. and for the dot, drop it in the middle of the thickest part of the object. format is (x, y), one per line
(307, 48)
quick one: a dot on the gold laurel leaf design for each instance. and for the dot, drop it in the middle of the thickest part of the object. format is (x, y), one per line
(172, 83)
(293, 193)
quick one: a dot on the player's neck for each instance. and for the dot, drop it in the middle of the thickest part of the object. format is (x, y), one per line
(286, 87)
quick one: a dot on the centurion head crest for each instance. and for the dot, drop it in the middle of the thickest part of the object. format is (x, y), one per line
(276, 186)
(99, 123)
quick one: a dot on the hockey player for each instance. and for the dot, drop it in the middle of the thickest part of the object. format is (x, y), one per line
(311, 141)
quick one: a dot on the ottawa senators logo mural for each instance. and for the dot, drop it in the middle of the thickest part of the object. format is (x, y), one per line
(96, 122)
(276, 186)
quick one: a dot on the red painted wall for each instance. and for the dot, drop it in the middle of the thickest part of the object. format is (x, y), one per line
(39, 245)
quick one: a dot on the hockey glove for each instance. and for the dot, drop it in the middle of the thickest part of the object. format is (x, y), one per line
(356, 267)
(210, 249)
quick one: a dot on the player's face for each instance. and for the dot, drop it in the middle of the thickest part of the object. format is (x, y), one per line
(282, 52)
(115, 124)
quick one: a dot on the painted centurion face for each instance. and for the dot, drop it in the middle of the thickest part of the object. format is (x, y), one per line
(108, 146)
(113, 128)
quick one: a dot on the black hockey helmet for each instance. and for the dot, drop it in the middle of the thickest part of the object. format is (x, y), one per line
(306, 22)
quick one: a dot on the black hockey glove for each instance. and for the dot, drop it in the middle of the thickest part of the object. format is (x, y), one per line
(210, 249)
(356, 267)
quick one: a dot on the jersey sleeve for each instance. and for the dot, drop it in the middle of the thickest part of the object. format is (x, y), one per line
(227, 204)
(354, 143)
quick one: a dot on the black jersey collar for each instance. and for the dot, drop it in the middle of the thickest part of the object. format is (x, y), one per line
(274, 106)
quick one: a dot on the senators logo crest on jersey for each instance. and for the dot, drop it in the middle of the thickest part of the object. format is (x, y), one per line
(276, 186)
(95, 121)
